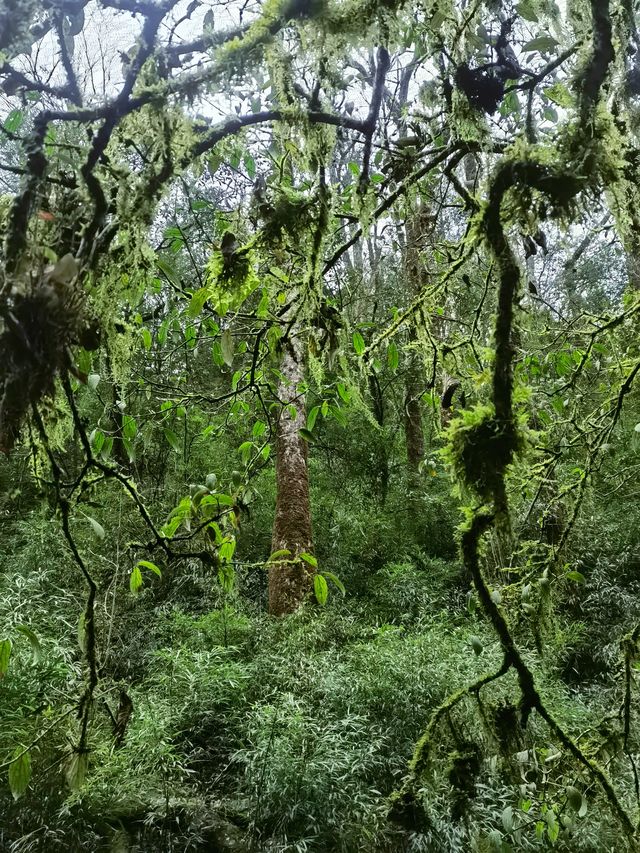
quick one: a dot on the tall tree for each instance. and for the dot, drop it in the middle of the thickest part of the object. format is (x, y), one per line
(291, 580)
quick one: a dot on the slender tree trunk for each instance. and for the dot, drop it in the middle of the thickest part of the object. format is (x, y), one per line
(632, 252)
(290, 582)
(381, 479)
(413, 433)
(414, 379)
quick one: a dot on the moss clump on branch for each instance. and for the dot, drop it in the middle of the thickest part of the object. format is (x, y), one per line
(291, 213)
(481, 447)
(231, 278)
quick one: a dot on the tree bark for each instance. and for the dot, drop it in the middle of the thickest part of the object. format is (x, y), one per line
(414, 380)
(633, 263)
(291, 580)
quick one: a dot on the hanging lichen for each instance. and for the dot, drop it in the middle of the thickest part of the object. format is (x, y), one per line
(231, 276)
(40, 323)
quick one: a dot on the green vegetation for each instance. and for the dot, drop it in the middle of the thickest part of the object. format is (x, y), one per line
(320, 426)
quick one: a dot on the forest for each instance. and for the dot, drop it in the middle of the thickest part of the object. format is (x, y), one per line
(319, 426)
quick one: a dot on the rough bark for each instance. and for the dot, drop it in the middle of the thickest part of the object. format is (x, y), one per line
(416, 226)
(414, 436)
(632, 252)
(381, 478)
(290, 581)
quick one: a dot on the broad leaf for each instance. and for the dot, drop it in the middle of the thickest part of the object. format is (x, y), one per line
(19, 772)
(320, 589)
(5, 656)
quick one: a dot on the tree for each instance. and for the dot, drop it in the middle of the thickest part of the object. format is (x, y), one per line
(313, 152)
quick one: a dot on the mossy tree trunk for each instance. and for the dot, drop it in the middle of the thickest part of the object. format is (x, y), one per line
(291, 580)
(632, 252)
(414, 377)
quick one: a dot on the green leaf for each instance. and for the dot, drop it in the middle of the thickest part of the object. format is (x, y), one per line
(227, 550)
(339, 415)
(128, 446)
(476, 644)
(507, 818)
(135, 581)
(263, 306)
(213, 525)
(13, 121)
(129, 426)
(250, 165)
(553, 827)
(146, 339)
(34, 642)
(525, 10)
(218, 499)
(393, 357)
(163, 332)
(198, 299)
(151, 566)
(335, 580)
(168, 270)
(311, 418)
(344, 392)
(226, 345)
(19, 772)
(169, 529)
(190, 336)
(358, 343)
(281, 275)
(5, 656)
(495, 839)
(309, 558)
(283, 552)
(226, 577)
(574, 798)
(77, 769)
(237, 376)
(306, 435)
(107, 447)
(540, 43)
(320, 589)
(172, 231)
(245, 450)
(324, 408)
(97, 528)
(216, 354)
(173, 440)
(578, 577)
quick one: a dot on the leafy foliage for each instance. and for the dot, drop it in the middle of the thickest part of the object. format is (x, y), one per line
(283, 297)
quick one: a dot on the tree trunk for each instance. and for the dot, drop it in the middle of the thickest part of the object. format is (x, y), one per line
(414, 380)
(632, 252)
(291, 582)
(381, 477)
(414, 436)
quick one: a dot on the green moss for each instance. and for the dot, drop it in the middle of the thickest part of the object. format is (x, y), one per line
(480, 448)
(230, 280)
